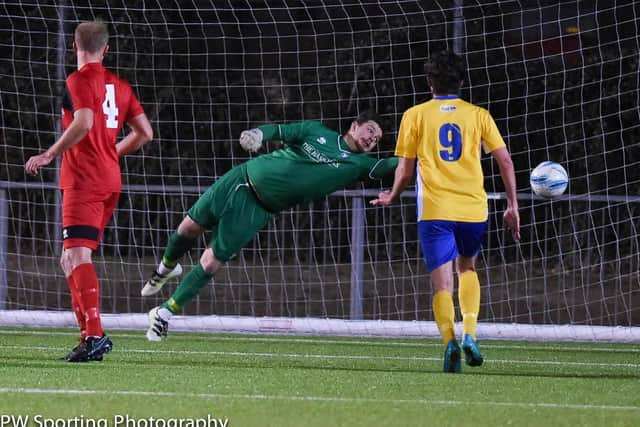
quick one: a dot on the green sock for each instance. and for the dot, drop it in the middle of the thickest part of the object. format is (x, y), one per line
(176, 247)
(188, 288)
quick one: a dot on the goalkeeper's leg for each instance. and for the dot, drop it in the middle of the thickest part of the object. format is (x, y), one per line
(180, 242)
(238, 216)
(197, 278)
(200, 217)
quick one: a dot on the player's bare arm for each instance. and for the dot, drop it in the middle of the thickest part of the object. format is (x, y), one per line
(78, 129)
(141, 133)
(403, 174)
(511, 215)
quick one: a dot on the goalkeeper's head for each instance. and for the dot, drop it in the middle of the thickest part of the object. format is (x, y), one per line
(444, 72)
(91, 37)
(364, 133)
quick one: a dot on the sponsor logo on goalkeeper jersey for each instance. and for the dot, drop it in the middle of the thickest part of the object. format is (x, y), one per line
(321, 140)
(447, 108)
(318, 156)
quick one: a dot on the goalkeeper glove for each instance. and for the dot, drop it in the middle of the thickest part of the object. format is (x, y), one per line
(251, 140)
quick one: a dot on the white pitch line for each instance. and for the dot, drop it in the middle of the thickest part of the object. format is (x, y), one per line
(317, 399)
(382, 342)
(241, 354)
(336, 356)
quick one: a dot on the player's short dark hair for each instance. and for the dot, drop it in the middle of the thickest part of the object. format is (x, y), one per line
(445, 71)
(91, 36)
(367, 115)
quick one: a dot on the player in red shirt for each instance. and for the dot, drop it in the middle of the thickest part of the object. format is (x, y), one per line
(98, 104)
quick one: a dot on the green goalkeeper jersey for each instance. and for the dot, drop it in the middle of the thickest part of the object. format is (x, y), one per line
(316, 161)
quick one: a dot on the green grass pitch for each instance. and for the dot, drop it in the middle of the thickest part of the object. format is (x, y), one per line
(247, 380)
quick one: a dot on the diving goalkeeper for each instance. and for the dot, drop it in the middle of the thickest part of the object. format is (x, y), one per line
(314, 162)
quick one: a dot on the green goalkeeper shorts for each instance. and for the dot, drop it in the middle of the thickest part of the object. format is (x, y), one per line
(231, 211)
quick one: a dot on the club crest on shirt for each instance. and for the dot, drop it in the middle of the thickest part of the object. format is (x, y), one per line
(344, 155)
(321, 140)
(447, 108)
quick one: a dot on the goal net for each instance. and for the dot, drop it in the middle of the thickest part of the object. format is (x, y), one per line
(561, 80)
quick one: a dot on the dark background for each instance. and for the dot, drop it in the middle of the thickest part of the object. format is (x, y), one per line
(560, 78)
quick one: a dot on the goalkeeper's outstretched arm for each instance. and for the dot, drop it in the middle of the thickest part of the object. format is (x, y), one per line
(403, 174)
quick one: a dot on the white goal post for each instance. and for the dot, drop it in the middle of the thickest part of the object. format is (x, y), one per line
(561, 81)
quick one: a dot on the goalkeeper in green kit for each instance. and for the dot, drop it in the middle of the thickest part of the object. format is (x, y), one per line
(314, 162)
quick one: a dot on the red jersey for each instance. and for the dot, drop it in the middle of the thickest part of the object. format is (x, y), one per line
(93, 164)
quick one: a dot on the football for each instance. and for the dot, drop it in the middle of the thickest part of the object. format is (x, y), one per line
(549, 179)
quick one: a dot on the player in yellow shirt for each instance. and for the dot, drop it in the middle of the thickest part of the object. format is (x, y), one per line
(446, 135)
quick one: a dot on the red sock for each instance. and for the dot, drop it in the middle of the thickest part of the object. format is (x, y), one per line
(77, 308)
(86, 280)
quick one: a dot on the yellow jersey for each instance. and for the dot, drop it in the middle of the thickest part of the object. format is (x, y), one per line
(446, 135)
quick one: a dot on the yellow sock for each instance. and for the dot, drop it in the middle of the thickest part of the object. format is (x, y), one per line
(445, 316)
(469, 297)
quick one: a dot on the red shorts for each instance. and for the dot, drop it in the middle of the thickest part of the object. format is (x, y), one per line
(85, 214)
